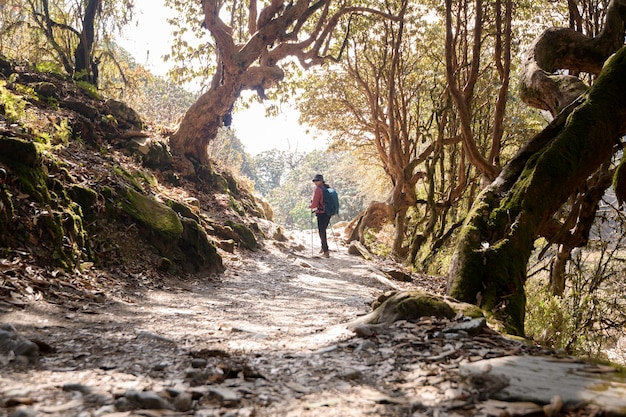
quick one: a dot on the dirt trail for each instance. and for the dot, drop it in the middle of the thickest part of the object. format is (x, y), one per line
(266, 338)
(278, 302)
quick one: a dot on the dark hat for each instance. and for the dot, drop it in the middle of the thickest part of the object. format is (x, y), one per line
(318, 177)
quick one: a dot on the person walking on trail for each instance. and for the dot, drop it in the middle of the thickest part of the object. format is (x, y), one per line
(317, 204)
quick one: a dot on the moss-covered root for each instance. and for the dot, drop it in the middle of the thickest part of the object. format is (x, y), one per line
(411, 305)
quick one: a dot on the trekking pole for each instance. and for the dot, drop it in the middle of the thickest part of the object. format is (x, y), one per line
(311, 234)
(335, 237)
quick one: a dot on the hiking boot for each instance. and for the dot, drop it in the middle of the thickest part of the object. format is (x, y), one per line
(325, 255)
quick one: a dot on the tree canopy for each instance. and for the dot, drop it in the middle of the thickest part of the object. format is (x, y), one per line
(77, 36)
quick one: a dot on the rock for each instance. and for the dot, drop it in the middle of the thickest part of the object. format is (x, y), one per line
(81, 108)
(227, 397)
(155, 337)
(73, 386)
(352, 374)
(545, 380)
(24, 412)
(161, 366)
(407, 305)
(199, 363)
(356, 248)
(45, 89)
(13, 343)
(245, 235)
(471, 327)
(183, 402)
(398, 275)
(365, 346)
(27, 348)
(123, 113)
(16, 149)
(6, 67)
(366, 331)
(156, 155)
(147, 400)
(227, 245)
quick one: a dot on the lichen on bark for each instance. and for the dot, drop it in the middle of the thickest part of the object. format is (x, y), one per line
(489, 266)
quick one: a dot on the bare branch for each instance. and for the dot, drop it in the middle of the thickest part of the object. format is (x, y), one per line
(543, 84)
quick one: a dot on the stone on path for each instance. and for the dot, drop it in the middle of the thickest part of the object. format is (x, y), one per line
(540, 379)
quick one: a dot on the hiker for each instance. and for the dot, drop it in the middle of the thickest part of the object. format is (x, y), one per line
(317, 204)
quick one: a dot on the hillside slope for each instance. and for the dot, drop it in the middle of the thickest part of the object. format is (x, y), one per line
(91, 189)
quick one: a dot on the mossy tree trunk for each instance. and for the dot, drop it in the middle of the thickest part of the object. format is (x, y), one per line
(489, 266)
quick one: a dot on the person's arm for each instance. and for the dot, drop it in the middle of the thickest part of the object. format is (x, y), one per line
(318, 200)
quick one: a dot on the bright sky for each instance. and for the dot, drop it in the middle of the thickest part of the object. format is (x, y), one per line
(148, 39)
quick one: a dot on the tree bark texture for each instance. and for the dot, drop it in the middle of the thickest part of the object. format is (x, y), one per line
(300, 29)
(489, 266)
(84, 66)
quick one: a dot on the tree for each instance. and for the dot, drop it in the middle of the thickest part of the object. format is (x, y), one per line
(270, 168)
(291, 200)
(250, 50)
(489, 267)
(76, 35)
(464, 66)
(390, 101)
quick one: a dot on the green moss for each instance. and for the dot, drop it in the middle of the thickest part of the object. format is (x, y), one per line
(14, 150)
(200, 254)
(107, 192)
(245, 234)
(619, 180)
(7, 209)
(69, 236)
(84, 196)
(130, 178)
(409, 305)
(152, 214)
(33, 181)
(166, 265)
(486, 240)
(183, 209)
(147, 177)
(237, 206)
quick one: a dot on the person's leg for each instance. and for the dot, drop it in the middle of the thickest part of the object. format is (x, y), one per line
(322, 225)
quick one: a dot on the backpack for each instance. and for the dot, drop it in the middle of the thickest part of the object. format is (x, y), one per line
(331, 201)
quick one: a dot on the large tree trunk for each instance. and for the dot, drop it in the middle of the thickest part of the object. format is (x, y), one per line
(201, 123)
(84, 66)
(280, 30)
(489, 266)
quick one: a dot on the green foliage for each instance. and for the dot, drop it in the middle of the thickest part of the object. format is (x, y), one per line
(287, 185)
(591, 315)
(380, 243)
(228, 151)
(49, 67)
(50, 42)
(154, 98)
(12, 105)
(63, 131)
(90, 89)
(193, 51)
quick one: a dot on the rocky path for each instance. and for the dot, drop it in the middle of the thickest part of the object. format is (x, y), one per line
(267, 338)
